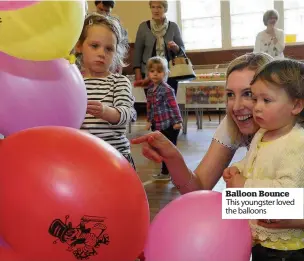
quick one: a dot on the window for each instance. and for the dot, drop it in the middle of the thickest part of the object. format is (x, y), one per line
(201, 24)
(247, 20)
(294, 18)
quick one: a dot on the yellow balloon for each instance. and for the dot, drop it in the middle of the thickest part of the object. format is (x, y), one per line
(44, 31)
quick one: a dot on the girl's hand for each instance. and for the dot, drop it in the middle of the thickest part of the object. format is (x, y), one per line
(177, 126)
(236, 181)
(156, 147)
(173, 46)
(138, 76)
(148, 126)
(95, 108)
(229, 172)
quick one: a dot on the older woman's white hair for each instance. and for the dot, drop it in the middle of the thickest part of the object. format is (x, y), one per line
(163, 3)
(268, 14)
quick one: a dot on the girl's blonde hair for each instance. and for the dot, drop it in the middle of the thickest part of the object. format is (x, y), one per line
(287, 74)
(161, 63)
(252, 62)
(114, 26)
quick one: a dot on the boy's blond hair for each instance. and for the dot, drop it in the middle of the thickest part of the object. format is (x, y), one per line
(161, 63)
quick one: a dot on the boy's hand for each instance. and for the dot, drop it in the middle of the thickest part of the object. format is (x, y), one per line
(177, 126)
(148, 126)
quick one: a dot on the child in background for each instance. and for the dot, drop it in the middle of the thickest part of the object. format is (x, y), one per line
(101, 47)
(276, 155)
(162, 108)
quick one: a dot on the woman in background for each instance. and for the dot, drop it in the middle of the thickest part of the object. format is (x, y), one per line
(271, 40)
(156, 37)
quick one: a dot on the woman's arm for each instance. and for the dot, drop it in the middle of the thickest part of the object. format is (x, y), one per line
(138, 51)
(157, 148)
(280, 43)
(177, 39)
(257, 46)
(211, 168)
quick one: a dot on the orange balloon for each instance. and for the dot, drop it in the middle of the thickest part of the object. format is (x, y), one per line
(68, 195)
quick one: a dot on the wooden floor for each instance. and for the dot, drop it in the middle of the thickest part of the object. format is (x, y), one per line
(193, 146)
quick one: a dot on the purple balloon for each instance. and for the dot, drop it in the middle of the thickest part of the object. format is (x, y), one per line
(191, 228)
(49, 93)
(14, 5)
(2, 242)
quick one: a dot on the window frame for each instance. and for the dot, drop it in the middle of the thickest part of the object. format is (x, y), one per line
(226, 26)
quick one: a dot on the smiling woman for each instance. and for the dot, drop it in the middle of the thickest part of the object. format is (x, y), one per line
(236, 130)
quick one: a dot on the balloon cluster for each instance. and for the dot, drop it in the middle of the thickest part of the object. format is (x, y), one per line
(38, 86)
(64, 194)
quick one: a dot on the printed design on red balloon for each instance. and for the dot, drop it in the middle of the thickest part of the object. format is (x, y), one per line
(83, 239)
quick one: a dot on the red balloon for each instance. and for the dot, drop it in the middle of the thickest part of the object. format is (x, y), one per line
(7, 254)
(68, 195)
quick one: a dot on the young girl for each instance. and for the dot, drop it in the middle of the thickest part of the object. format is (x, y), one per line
(276, 155)
(162, 108)
(101, 47)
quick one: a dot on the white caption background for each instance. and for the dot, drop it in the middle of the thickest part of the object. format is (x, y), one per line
(263, 203)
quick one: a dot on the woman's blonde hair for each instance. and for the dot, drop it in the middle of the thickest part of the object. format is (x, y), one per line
(161, 63)
(287, 74)
(249, 61)
(114, 26)
(163, 3)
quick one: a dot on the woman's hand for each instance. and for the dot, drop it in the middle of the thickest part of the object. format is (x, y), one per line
(272, 33)
(142, 83)
(274, 39)
(173, 46)
(156, 147)
(281, 223)
(95, 108)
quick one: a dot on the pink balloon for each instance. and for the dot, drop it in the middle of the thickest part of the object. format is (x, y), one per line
(191, 228)
(13, 5)
(32, 94)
